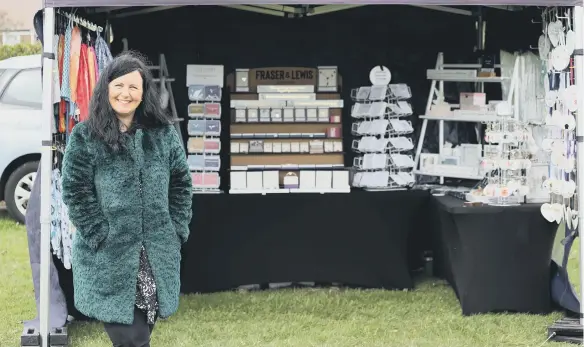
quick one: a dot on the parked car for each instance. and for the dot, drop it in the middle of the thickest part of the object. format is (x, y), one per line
(20, 130)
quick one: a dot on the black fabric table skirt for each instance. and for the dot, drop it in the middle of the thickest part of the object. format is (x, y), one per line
(356, 239)
(496, 258)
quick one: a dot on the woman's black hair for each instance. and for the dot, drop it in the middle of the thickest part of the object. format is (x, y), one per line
(103, 122)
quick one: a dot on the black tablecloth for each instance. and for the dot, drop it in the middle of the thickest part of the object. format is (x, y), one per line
(495, 258)
(355, 239)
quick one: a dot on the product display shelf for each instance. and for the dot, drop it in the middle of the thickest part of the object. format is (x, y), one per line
(382, 137)
(455, 73)
(286, 143)
(204, 144)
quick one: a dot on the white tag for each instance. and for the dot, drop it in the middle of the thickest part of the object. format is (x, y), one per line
(380, 76)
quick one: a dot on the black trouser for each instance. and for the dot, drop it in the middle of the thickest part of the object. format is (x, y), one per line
(136, 334)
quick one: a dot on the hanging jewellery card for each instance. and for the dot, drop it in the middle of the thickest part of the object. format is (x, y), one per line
(556, 45)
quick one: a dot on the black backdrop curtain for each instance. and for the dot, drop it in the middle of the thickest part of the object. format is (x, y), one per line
(406, 39)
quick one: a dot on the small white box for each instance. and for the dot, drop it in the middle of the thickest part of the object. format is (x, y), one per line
(238, 180)
(340, 179)
(234, 147)
(324, 179)
(271, 179)
(295, 147)
(307, 179)
(472, 101)
(254, 180)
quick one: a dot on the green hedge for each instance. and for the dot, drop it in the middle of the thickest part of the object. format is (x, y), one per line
(9, 51)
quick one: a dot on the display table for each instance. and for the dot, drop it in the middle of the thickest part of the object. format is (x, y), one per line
(356, 239)
(496, 258)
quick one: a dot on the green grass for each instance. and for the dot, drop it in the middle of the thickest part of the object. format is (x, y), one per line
(427, 316)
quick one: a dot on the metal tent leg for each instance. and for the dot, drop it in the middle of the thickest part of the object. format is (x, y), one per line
(46, 165)
(579, 62)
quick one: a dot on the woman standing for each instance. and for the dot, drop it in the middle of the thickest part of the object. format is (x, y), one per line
(127, 185)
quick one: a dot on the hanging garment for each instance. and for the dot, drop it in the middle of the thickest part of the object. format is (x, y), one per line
(92, 71)
(67, 231)
(74, 64)
(57, 304)
(62, 103)
(83, 85)
(65, 84)
(71, 117)
(62, 116)
(61, 228)
(103, 53)
(96, 67)
(56, 213)
(60, 53)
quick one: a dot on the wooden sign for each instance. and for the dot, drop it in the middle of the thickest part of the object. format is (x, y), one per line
(283, 76)
(248, 80)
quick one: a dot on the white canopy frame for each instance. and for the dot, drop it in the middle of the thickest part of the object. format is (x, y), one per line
(46, 141)
(290, 11)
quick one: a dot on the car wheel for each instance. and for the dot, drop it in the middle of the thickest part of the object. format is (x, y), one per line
(18, 188)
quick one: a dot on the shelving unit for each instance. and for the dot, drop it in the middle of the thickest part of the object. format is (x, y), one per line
(460, 73)
(204, 144)
(286, 139)
(382, 137)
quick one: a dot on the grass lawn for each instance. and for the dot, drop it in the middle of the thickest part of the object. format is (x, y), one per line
(427, 316)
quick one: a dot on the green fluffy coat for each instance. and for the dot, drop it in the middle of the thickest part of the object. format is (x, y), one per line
(119, 202)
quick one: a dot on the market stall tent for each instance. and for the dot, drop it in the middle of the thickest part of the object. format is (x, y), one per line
(49, 56)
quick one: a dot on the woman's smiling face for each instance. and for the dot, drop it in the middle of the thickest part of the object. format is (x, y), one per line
(125, 93)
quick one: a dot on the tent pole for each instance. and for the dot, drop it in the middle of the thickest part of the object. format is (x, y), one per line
(46, 165)
(579, 65)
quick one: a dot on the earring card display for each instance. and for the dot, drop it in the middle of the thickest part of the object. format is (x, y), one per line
(382, 137)
(283, 121)
(505, 163)
(204, 145)
(204, 84)
(205, 180)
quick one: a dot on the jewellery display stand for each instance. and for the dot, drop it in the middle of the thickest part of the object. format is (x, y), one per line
(556, 45)
(287, 138)
(565, 118)
(438, 110)
(505, 162)
(382, 137)
(204, 144)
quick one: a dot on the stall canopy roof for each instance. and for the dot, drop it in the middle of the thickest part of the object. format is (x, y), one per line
(100, 3)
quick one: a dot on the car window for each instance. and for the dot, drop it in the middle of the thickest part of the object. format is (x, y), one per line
(25, 90)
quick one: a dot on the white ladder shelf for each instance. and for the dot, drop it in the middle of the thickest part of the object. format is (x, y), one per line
(437, 89)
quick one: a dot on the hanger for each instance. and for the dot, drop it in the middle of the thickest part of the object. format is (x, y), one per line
(81, 22)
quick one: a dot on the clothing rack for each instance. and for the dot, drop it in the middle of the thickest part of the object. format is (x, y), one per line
(81, 21)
